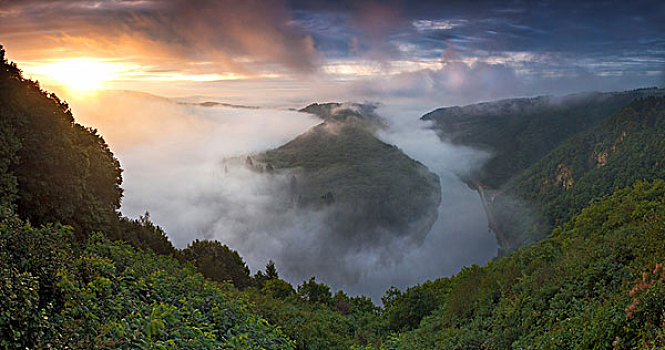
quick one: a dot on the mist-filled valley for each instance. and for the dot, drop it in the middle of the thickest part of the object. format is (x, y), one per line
(185, 164)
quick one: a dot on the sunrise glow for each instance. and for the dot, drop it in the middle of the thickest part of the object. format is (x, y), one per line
(79, 74)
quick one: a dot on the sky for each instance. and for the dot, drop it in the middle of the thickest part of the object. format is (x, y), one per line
(285, 53)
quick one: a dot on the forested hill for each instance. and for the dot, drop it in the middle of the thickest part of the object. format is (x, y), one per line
(518, 132)
(53, 169)
(373, 188)
(628, 146)
(342, 111)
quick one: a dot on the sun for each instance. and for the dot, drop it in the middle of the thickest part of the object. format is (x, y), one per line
(79, 74)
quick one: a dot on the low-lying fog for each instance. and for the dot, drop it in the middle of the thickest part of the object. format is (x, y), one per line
(178, 166)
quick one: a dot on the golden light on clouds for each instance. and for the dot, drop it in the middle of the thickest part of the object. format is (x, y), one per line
(88, 74)
(78, 74)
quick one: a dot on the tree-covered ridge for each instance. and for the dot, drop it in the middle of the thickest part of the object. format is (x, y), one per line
(108, 295)
(54, 170)
(595, 283)
(50, 158)
(343, 111)
(518, 132)
(624, 148)
(372, 185)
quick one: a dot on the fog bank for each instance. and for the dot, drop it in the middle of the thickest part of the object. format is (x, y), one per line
(184, 164)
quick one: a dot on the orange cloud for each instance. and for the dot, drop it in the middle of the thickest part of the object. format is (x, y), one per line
(246, 38)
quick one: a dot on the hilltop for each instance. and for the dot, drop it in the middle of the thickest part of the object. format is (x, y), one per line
(373, 188)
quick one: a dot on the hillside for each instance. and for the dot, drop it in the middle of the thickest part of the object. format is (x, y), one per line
(518, 132)
(110, 296)
(624, 148)
(372, 187)
(596, 283)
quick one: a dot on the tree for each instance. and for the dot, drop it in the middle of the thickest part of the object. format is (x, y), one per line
(271, 270)
(315, 292)
(218, 262)
(260, 278)
(279, 289)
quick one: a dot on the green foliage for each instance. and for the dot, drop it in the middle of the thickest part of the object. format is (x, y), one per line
(313, 292)
(30, 260)
(519, 132)
(278, 289)
(341, 323)
(404, 311)
(218, 262)
(572, 290)
(112, 296)
(143, 233)
(623, 149)
(261, 278)
(64, 172)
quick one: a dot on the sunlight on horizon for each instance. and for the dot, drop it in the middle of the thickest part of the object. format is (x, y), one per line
(79, 74)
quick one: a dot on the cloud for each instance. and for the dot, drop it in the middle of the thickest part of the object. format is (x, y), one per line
(464, 81)
(424, 25)
(237, 36)
(456, 82)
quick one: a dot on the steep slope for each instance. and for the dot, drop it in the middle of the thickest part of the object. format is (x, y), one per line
(596, 283)
(373, 188)
(49, 158)
(112, 296)
(54, 170)
(625, 148)
(518, 132)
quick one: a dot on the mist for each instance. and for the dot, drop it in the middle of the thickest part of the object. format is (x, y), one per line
(185, 165)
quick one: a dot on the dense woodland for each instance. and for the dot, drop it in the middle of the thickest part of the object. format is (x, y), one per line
(75, 274)
(552, 155)
(519, 132)
(627, 147)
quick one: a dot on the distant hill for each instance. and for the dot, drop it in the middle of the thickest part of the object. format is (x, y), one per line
(518, 132)
(218, 104)
(625, 148)
(342, 111)
(373, 187)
